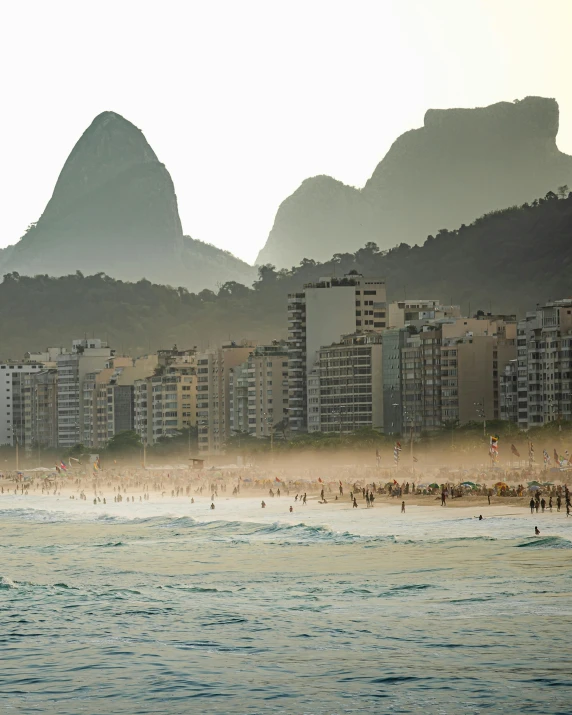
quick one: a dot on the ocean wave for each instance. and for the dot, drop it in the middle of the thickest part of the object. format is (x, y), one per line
(7, 583)
(545, 542)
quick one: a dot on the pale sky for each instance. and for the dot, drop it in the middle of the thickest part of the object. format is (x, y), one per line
(243, 100)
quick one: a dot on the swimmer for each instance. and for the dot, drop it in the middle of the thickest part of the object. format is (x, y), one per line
(536, 531)
(263, 504)
(291, 509)
(212, 505)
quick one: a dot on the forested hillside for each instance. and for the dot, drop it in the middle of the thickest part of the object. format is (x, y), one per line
(506, 261)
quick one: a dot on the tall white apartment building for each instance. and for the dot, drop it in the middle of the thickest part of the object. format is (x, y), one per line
(13, 424)
(87, 356)
(317, 316)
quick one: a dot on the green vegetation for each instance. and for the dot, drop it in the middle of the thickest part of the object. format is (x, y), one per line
(506, 262)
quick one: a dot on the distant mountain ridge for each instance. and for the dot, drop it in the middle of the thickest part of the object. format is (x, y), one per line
(461, 164)
(504, 262)
(114, 210)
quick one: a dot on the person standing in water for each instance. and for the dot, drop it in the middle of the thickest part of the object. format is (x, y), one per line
(403, 507)
(532, 506)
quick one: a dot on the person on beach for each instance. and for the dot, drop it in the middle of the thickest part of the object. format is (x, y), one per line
(443, 498)
(550, 503)
(558, 502)
(212, 505)
(304, 499)
(355, 504)
(532, 506)
(543, 504)
(403, 507)
(291, 508)
(263, 504)
(536, 531)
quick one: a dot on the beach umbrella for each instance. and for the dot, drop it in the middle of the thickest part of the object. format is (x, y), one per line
(501, 485)
(534, 488)
(468, 484)
(533, 483)
(434, 486)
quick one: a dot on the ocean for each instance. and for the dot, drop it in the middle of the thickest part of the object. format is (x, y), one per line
(172, 608)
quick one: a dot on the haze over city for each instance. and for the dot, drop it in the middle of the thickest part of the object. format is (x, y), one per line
(244, 101)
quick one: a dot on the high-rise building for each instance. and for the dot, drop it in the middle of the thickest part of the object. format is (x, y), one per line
(545, 364)
(317, 316)
(393, 342)
(258, 391)
(213, 394)
(164, 402)
(421, 381)
(348, 379)
(87, 356)
(40, 398)
(15, 424)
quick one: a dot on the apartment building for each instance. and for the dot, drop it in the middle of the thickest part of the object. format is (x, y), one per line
(40, 403)
(87, 356)
(214, 368)
(393, 341)
(164, 402)
(317, 316)
(421, 381)
(348, 378)
(15, 424)
(258, 391)
(545, 365)
(474, 354)
(417, 312)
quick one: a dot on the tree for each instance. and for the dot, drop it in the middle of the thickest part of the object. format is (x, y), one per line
(563, 191)
(126, 442)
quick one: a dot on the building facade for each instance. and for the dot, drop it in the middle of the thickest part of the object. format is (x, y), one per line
(348, 377)
(15, 411)
(213, 394)
(258, 391)
(317, 316)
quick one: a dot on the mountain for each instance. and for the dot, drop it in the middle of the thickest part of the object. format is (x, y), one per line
(504, 262)
(114, 210)
(461, 164)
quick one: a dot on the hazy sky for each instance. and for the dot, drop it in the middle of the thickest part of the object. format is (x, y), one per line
(244, 100)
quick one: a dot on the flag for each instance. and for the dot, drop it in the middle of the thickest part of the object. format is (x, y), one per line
(319, 479)
(494, 448)
(531, 451)
(63, 466)
(278, 480)
(546, 456)
(415, 459)
(515, 451)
